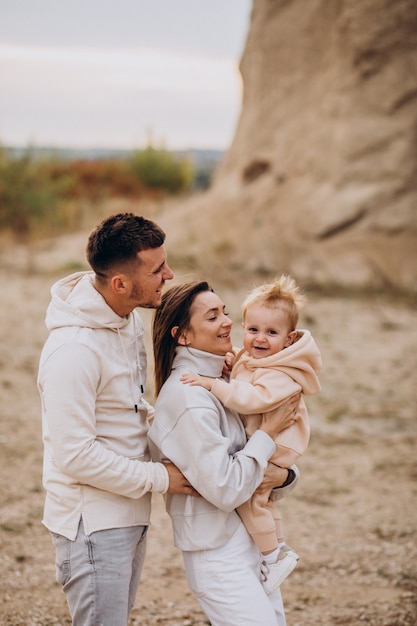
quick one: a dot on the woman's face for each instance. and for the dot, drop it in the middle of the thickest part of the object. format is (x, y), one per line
(209, 325)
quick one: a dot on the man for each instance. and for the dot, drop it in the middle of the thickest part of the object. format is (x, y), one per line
(92, 374)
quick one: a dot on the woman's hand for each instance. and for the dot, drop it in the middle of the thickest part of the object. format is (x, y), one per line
(228, 364)
(274, 476)
(281, 418)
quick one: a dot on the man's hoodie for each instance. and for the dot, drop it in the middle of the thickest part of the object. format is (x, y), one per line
(91, 380)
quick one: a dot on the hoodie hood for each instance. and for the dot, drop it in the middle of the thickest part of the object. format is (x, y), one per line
(301, 360)
(76, 302)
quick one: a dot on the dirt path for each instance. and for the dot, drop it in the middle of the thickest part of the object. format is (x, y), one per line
(352, 519)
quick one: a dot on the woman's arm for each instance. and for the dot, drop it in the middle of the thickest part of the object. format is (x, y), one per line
(205, 445)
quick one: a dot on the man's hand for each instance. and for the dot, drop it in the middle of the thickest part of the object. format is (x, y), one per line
(178, 483)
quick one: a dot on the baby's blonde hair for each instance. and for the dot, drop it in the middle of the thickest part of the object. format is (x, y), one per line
(281, 293)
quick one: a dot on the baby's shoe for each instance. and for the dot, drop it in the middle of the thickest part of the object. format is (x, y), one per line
(274, 574)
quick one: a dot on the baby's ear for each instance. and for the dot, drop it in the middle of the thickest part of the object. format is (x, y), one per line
(292, 338)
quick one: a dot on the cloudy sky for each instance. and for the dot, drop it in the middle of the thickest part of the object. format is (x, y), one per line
(118, 73)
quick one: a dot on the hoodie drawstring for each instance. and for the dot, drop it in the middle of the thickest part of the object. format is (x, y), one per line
(137, 363)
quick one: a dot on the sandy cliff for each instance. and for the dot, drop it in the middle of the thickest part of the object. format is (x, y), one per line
(321, 177)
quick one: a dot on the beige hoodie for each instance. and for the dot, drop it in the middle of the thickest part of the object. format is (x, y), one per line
(260, 385)
(91, 375)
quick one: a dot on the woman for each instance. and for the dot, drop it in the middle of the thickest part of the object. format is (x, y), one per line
(207, 442)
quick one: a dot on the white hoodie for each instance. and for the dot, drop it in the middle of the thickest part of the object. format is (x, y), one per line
(91, 377)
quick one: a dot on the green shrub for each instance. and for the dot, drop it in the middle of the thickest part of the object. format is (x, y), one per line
(41, 196)
(28, 197)
(159, 169)
(96, 179)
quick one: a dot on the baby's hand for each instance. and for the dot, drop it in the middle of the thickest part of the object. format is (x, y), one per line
(191, 379)
(195, 379)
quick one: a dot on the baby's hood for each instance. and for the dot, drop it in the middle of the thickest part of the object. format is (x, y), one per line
(301, 360)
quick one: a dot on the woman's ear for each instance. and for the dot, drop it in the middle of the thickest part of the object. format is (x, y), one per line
(182, 339)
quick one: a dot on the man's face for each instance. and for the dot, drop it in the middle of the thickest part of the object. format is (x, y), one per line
(149, 278)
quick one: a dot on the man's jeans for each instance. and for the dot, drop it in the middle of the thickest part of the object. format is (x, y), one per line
(100, 573)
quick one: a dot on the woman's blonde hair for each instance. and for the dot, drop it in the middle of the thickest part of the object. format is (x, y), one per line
(281, 293)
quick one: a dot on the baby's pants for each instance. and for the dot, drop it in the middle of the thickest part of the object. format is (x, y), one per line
(262, 520)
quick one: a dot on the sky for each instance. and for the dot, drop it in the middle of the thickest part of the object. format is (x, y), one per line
(121, 73)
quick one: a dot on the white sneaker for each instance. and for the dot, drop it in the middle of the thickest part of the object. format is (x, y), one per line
(274, 574)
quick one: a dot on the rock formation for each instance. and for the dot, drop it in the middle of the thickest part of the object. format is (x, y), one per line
(321, 177)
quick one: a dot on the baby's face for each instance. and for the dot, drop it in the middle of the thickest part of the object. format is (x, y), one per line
(266, 331)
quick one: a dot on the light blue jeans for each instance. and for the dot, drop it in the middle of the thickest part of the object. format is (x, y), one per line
(100, 573)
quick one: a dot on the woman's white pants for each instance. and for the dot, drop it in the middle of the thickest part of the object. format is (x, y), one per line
(226, 582)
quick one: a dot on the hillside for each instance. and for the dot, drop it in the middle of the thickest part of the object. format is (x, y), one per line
(321, 176)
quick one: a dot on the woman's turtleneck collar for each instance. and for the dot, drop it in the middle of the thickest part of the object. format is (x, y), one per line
(198, 361)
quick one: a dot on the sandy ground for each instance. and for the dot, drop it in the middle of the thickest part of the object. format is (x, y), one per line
(352, 519)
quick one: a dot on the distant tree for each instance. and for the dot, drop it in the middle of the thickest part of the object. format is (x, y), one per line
(203, 178)
(28, 198)
(160, 169)
(96, 179)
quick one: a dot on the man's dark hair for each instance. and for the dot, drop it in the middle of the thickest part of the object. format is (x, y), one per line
(117, 240)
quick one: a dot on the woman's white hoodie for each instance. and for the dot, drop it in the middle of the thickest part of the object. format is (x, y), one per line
(208, 443)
